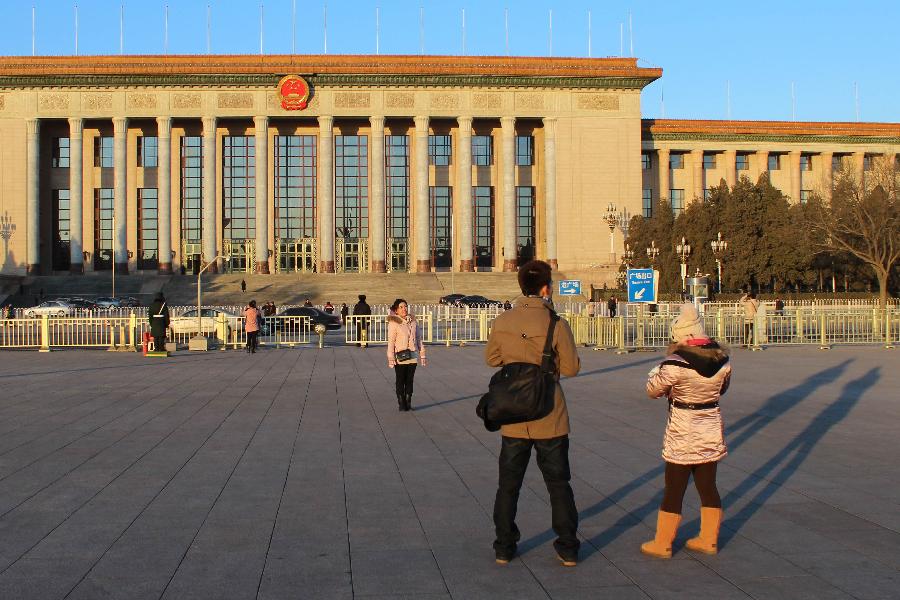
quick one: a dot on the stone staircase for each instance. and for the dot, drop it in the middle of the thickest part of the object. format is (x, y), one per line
(91, 285)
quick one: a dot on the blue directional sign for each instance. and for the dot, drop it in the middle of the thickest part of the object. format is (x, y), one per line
(570, 287)
(642, 285)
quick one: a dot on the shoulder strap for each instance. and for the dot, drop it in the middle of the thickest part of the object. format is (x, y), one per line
(547, 356)
(161, 309)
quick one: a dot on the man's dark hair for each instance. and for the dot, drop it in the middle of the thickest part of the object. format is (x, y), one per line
(362, 297)
(753, 295)
(533, 276)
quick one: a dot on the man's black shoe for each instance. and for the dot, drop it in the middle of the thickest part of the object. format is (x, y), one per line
(502, 557)
(567, 560)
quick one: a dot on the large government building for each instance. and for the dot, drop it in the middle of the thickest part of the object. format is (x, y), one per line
(274, 164)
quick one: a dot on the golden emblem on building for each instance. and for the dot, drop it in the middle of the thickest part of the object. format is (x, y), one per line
(293, 91)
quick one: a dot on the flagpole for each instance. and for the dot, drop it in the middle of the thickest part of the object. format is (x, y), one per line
(122, 28)
(377, 30)
(32, 30)
(166, 31)
(293, 26)
(325, 25)
(76, 30)
(589, 34)
(261, 30)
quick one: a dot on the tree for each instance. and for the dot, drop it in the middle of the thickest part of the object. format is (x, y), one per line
(863, 220)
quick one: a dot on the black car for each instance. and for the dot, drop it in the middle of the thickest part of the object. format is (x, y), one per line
(451, 299)
(315, 315)
(477, 302)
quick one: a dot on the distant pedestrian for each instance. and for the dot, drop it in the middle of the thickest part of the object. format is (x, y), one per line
(362, 325)
(612, 305)
(693, 377)
(251, 326)
(158, 316)
(507, 305)
(307, 302)
(779, 306)
(329, 308)
(405, 350)
(345, 310)
(9, 312)
(751, 307)
(243, 286)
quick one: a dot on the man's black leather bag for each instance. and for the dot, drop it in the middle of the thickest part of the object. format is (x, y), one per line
(521, 392)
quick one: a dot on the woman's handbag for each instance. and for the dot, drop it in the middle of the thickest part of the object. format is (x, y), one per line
(403, 355)
(521, 392)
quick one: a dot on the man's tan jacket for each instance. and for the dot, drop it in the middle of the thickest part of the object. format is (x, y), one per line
(518, 335)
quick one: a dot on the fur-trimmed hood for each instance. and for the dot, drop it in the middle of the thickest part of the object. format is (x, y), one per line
(395, 318)
(707, 359)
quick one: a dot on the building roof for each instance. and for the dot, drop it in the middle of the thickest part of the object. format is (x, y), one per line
(769, 131)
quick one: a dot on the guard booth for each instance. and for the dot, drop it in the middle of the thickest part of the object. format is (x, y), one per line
(698, 290)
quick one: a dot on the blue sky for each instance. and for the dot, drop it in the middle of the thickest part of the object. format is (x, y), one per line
(757, 50)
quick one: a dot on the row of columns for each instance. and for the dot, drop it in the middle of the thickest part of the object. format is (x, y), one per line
(325, 193)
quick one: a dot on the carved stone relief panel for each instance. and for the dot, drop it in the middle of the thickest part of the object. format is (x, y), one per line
(445, 101)
(235, 100)
(2, 101)
(186, 100)
(400, 100)
(52, 102)
(597, 102)
(97, 102)
(487, 101)
(142, 101)
(529, 101)
(352, 100)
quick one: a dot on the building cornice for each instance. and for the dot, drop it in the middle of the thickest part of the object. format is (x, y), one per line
(667, 130)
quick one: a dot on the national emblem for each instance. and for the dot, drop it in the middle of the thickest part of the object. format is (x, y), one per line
(293, 91)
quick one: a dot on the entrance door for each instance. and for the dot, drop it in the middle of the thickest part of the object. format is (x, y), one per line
(441, 227)
(398, 249)
(190, 257)
(242, 253)
(296, 256)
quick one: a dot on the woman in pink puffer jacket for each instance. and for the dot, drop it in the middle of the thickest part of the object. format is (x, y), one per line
(693, 376)
(405, 350)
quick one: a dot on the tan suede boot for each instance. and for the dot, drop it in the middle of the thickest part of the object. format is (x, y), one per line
(661, 545)
(707, 541)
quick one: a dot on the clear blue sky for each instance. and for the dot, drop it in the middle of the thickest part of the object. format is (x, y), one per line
(756, 48)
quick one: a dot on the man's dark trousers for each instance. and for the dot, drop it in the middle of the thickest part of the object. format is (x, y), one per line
(553, 461)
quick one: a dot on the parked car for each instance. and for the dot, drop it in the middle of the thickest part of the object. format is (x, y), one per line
(187, 322)
(315, 315)
(128, 301)
(477, 302)
(82, 304)
(451, 299)
(54, 308)
(107, 302)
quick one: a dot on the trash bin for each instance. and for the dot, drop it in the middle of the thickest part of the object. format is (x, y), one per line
(145, 342)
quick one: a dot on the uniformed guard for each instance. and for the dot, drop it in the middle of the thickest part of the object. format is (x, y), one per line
(158, 315)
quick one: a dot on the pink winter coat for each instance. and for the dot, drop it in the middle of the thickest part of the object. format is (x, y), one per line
(694, 375)
(403, 334)
(251, 322)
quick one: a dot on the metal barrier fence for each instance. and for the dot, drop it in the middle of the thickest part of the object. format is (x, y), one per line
(373, 329)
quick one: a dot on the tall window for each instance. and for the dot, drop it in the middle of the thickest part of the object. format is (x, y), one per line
(148, 229)
(61, 229)
(647, 203)
(103, 152)
(709, 161)
(440, 149)
(676, 161)
(295, 186)
(837, 162)
(774, 162)
(60, 152)
(645, 161)
(396, 163)
(483, 225)
(524, 150)
(351, 186)
(239, 187)
(805, 196)
(867, 162)
(482, 150)
(742, 162)
(191, 188)
(805, 162)
(103, 228)
(677, 201)
(147, 151)
(525, 224)
(441, 213)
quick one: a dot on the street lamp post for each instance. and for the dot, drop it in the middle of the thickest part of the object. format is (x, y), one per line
(719, 246)
(199, 342)
(611, 219)
(652, 253)
(627, 256)
(683, 250)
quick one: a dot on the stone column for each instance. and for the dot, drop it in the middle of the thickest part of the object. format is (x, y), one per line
(325, 193)
(32, 197)
(663, 166)
(697, 168)
(859, 168)
(794, 166)
(120, 191)
(550, 189)
(164, 191)
(762, 163)
(464, 193)
(261, 154)
(508, 135)
(827, 175)
(376, 204)
(208, 227)
(422, 222)
(730, 167)
(76, 196)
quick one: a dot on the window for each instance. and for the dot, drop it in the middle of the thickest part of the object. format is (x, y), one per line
(295, 186)
(439, 150)
(441, 214)
(742, 162)
(524, 150)
(61, 229)
(103, 229)
(60, 153)
(676, 161)
(837, 163)
(526, 226)
(239, 187)
(774, 162)
(707, 194)
(805, 162)
(147, 151)
(677, 199)
(805, 196)
(396, 165)
(867, 162)
(191, 188)
(483, 225)
(709, 161)
(351, 186)
(647, 203)
(148, 229)
(103, 152)
(645, 162)
(482, 150)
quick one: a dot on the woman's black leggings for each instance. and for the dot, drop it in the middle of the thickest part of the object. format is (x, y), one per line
(405, 374)
(677, 477)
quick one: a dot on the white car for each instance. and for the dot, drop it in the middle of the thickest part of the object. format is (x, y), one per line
(54, 308)
(187, 322)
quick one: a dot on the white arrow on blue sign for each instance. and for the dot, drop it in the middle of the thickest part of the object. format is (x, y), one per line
(642, 285)
(570, 287)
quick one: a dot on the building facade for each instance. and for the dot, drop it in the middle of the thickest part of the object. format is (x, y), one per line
(276, 164)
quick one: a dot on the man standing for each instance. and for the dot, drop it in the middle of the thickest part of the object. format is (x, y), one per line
(519, 335)
(243, 286)
(751, 306)
(158, 315)
(362, 325)
(612, 306)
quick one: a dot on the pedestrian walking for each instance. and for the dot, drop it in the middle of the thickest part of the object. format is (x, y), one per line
(612, 305)
(693, 377)
(329, 308)
(405, 350)
(345, 310)
(751, 306)
(251, 326)
(243, 286)
(519, 335)
(158, 316)
(362, 325)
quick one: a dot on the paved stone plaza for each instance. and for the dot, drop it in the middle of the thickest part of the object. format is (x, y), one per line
(290, 474)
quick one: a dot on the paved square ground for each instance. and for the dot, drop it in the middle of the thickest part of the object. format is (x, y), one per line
(290, 474)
